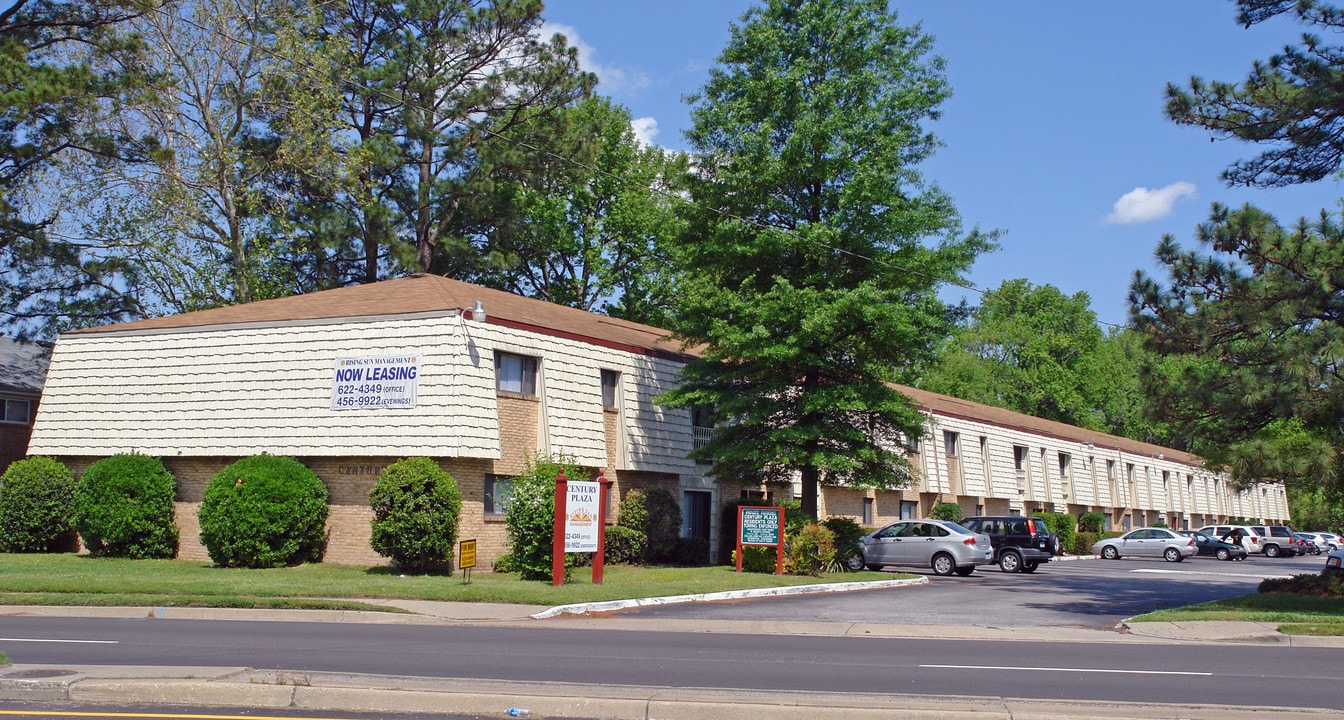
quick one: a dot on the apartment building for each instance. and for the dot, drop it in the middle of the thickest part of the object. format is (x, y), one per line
(353, 379)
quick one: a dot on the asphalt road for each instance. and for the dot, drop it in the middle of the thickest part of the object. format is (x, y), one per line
(1079, 593)
(1279, 676)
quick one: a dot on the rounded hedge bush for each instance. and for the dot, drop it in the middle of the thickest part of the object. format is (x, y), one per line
(416, 506)
(124, 508)
(624, 545)
(264, 511)
(656, 513)
(949, 511)
(37, 507)
(530, 518)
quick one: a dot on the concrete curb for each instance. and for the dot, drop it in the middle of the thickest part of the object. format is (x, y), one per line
(611, 605)
(239, 688)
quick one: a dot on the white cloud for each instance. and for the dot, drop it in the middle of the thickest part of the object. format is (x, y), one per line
(645, 129)
(1143, 205)
(611, 79)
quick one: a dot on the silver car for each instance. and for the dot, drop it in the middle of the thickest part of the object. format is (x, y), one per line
(944, 546)
(1147, 542)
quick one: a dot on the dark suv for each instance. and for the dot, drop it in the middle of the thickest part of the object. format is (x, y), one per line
(1020, 543)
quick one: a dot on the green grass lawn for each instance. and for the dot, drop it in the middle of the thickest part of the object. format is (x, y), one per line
(1297, 614)
(66, 579)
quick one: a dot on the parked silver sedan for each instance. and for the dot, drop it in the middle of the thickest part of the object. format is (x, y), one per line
(944, 546)
(1147, 542)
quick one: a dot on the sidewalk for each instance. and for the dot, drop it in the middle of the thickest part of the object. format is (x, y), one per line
(236, 687)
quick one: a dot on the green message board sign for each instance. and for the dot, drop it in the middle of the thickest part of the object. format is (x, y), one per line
(760, 525)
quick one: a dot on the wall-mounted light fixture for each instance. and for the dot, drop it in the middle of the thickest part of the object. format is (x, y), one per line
(478, 312)
(1160, 456)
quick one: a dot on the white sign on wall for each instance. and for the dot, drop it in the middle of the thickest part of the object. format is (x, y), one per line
(375, 382)
(581, 516)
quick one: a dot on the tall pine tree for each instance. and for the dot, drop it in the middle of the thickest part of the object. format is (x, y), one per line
(816, 250)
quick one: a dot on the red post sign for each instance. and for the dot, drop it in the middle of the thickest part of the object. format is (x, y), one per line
(579, 523)
(761, 526)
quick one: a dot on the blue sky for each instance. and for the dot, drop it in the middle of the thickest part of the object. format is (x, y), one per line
(1054, 135)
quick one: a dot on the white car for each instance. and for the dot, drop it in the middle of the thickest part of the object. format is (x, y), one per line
(1328, 541)
(1147, 542)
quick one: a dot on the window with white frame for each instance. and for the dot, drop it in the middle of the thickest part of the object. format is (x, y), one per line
(610, 381)
(515, 373)
(498, 489)
(15, 411)
(951, 441)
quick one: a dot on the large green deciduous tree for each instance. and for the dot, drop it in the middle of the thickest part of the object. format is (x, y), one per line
(587, 222)
(1250, 323)
(1034, 350)
(810, 270)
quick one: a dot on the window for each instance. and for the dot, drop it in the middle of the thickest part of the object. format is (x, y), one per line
(610, 380)
(497, 491)
(911, 444)
(909, 509)
(1019, 458)
(515, 373)
(868, 506)
(15, 411)
(950, 441)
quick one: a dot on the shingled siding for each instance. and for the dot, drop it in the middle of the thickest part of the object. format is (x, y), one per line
(242, 391)
(1193, 495)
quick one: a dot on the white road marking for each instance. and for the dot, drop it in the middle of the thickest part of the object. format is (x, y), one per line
(1071, 670)
(49, 640)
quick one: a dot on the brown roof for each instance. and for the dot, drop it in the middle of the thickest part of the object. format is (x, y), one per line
(433, 293)
(417, 294)
(950, 406)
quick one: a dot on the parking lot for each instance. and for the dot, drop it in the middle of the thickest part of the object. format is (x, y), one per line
(1083, 592)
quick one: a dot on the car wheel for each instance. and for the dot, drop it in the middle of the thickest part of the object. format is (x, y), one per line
(943, 564)
(1010, 562)
(1030, 567)
(1223, 554)
(855, 562)
(1271, 551)
(1110, 553)
(965, 571)
(1173, 555)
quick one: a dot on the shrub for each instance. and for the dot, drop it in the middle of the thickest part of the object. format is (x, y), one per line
(1091, 522)
(530, 517)
(657, 514)
(691, 552)
(264, 511)
(37, 507)
(947, 511)
(503, 564)
(1062, 525)
(416, 508)
(809, 550)
(1313, 584)
(846, 532)
(756, 558)
(124, 508)
(1083, 542)
(625, 545)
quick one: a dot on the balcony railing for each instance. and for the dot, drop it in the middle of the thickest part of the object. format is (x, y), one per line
(700, 436)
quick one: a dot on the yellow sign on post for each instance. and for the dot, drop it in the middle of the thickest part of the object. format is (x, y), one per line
(466, 558)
